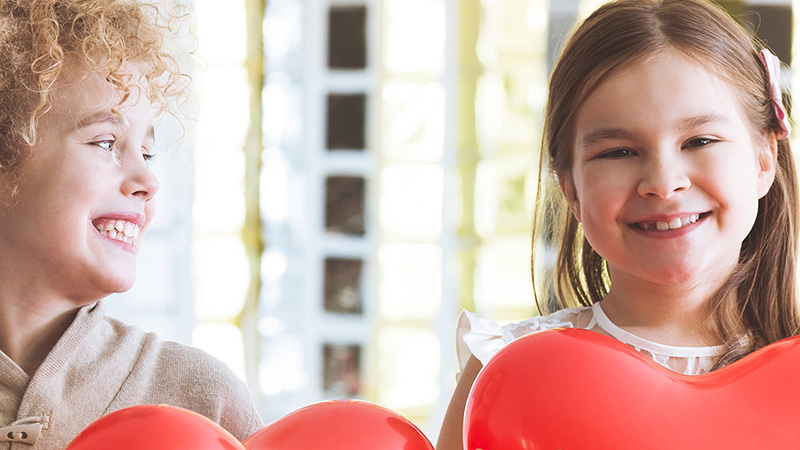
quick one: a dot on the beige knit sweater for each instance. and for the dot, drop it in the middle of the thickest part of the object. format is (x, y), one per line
(101, 365)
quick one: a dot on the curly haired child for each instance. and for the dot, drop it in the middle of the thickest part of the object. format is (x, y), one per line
(79, 82)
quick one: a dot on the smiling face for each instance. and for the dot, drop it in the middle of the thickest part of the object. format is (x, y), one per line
(666, 172)
(85, 193)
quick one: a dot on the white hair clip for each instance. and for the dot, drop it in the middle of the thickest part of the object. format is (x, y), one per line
(773, 66)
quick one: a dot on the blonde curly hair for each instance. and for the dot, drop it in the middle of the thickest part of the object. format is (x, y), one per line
(38, 38)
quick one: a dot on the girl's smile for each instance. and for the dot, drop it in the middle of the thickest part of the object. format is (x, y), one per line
(669, 225)
(120, 228)
(87, 174)
(666, 172)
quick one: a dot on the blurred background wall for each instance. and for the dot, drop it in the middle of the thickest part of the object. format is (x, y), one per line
(349, 175)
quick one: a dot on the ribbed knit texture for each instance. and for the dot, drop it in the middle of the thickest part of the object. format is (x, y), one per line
(101, 365)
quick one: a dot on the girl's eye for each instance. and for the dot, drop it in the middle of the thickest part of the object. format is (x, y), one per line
(106, 145)
(617, 153)
(148, 157)
(700, 142)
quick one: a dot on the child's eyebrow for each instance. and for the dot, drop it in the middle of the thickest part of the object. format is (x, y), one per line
(114, 119)
(606, 134)
(696, 121)
(100, 117)
(686, 124)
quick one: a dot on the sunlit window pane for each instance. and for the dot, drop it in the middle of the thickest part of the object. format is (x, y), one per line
(219, 188)
(222, 274)
(411, 202)
(215, 47)
(502, 278)
(410, 281)
(490, 99)
(283, 366)
(341, 370)
(346, 121)
(415, 36)
(282, 30)
(344, 205)
(409, 376)
(413, 121)
(223, 110)
(223, 341)
(219, 202)
(275, 187)
(347, 45)
(343, 285)
(282, 110)
(486, 198)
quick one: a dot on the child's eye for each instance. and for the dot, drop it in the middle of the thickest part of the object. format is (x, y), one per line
(148, 157)
(617, 153)
(700, 142)
(106, 145)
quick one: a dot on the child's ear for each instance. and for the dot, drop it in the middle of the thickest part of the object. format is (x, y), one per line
(568, 189)
(767, 164)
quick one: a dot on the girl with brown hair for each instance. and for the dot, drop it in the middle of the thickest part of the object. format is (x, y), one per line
(669, 194)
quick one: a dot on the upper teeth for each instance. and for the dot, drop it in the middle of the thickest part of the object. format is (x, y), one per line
(673, 224)
(120, 230)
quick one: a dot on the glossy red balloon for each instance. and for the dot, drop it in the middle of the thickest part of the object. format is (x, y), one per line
(340, 424)
(154, 427)
(574, 389)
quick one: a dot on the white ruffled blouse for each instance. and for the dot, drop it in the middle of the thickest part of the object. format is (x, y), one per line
(483, 338)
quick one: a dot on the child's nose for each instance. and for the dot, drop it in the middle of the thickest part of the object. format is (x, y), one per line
(663, 178)
(139, 180)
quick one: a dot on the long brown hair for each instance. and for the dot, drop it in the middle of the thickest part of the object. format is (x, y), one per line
(757, 305)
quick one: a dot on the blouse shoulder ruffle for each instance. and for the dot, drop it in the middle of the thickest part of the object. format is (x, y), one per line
(483, 337)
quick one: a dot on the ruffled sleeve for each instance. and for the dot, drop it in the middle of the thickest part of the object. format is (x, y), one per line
(479, 336)
(483, 337)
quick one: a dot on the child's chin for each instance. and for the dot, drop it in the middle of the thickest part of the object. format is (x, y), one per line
(120, 284)
(125, 286)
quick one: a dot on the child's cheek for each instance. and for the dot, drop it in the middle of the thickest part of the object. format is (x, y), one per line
(149, 212)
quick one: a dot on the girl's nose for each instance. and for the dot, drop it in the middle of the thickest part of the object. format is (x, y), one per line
(139, 180)
(662, 179)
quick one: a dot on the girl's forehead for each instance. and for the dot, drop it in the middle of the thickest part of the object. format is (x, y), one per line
(668, 80)
(82, 96)
(667, 93)
(80, 88)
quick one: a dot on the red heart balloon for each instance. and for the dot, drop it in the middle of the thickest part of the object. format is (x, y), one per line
(340, 424)
(154, 427)
(576, 389)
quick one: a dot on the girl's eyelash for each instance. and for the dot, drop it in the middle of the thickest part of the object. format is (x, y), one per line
(109, 145)
(697, 142)
(616, 153)
(108, 142)
(700, 142)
